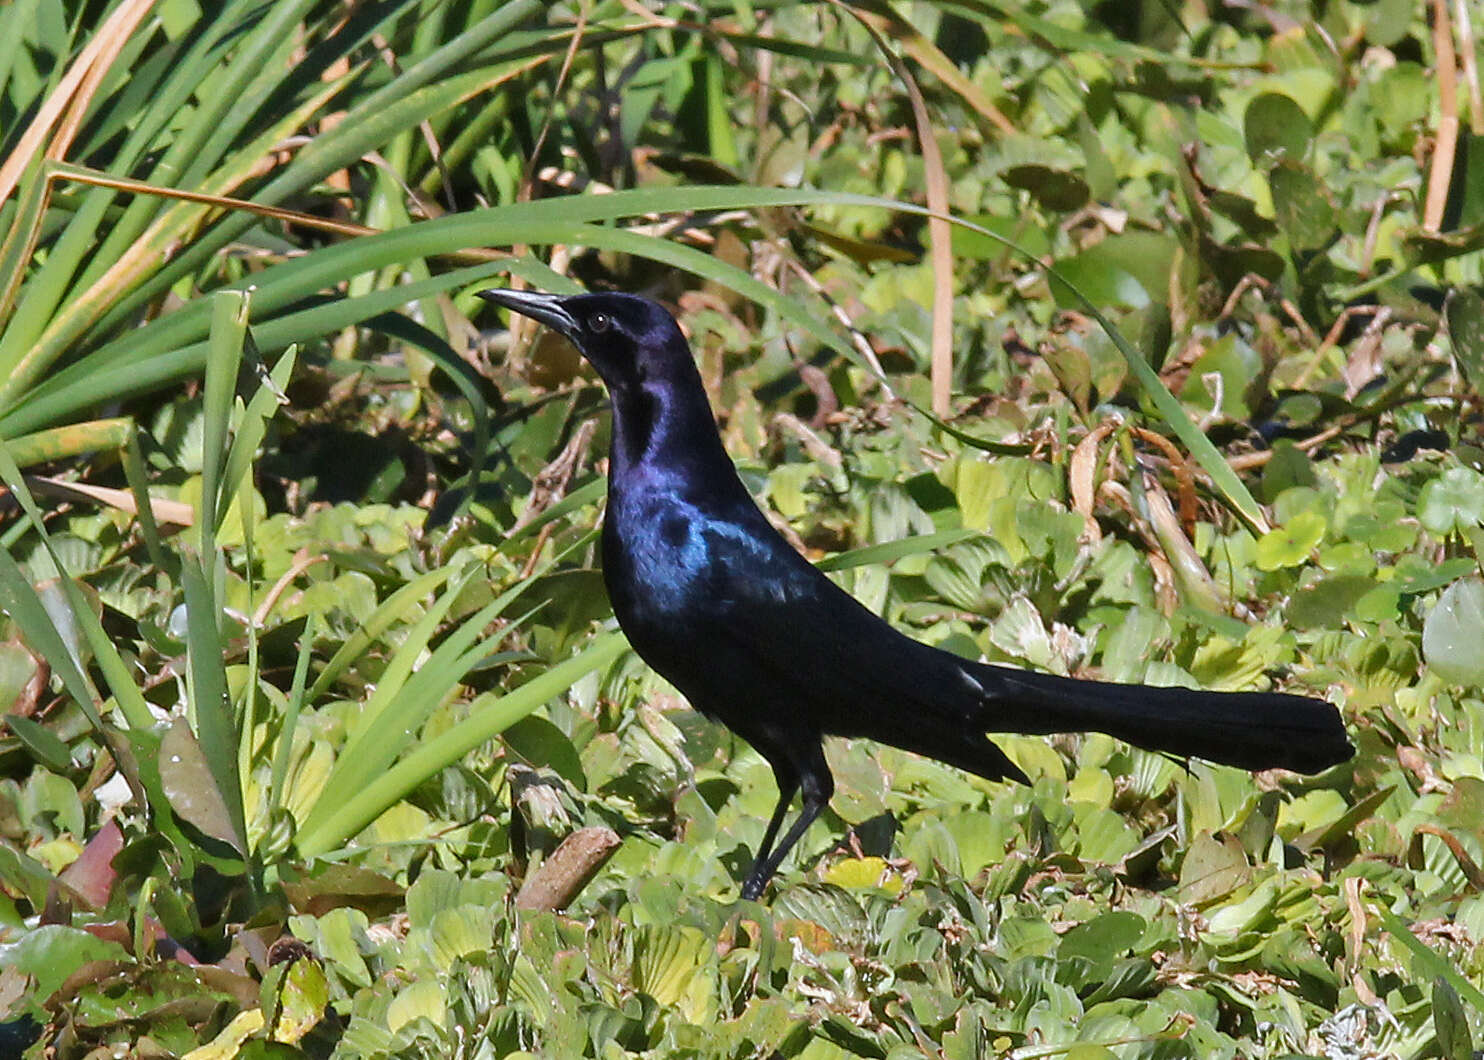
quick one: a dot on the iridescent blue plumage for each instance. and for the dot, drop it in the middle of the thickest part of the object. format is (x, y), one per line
(754, 636)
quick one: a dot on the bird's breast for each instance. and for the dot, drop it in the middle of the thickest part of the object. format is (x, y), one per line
(656, 562)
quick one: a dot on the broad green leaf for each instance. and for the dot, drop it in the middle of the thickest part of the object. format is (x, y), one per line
(421, 999)
(1103, 937)
(52, 952)
(1452, 502)
(1213, 868)
(671, 964)
(1453, 633)
(1276, 128)
(857, 873)
(1290, 545)
(1466, 329)
(536, 742)
(1303, 207)
(302, 998)
(1330, 602)
(1450, 1022)
(192, 787)
(18, 668)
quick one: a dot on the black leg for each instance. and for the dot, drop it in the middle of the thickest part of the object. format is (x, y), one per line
(788, 786)
(817, 784)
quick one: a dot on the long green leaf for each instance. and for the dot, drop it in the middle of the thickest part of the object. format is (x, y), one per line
(567, 221)
(1434, 966)
(116, 672)
(378, 622)
(15, 21)
(257, 68)
(393, 678)
(75, 439)
(366, 805)
(216, 727)
(890, 551)
(295, 704)
(20, 237)
(403, 700)
(124, 372)
(377, 745)
(133, 461)
(410, 98)
(223, 360)
(253, 424)
(180, 221)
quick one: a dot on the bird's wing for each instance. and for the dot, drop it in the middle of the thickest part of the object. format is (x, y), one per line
(854, 675)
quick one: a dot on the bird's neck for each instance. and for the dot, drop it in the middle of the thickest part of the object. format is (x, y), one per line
(665, 427)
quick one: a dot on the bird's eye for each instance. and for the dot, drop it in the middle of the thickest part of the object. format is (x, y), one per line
(599, 323)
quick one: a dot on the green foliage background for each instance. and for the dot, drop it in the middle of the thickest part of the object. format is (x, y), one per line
(313, 716)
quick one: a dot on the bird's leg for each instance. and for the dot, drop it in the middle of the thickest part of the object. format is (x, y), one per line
(788, 786)
(818, 786)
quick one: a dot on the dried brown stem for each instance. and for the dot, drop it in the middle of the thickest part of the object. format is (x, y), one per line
(571, 866)
(1446, 144)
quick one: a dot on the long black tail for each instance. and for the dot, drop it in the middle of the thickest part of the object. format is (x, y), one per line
(1253, 730)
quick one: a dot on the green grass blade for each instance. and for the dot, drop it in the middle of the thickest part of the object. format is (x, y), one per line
(223, 360)
(76, 439)
(14, 22)
(125, 371)
(397, 673)
(20, 240)
(256, 69)
(296, 703)
(414, 96)
(364, 806)
(377, 746)
(581, 497)
(403, 699)
(393, 716)
(133, 461)
(216, 727)
(27, 354)
(292, 281)
(1435, 966)
(891, 551)
(253, 423)
(171, 103)
(569, 221)
(383, 618)
(116, 672)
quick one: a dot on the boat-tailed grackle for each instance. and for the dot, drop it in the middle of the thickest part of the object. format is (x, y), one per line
(716, 600)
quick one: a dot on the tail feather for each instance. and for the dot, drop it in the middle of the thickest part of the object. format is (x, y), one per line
(1252, 730)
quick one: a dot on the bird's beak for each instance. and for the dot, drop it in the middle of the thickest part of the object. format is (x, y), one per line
(546, 308)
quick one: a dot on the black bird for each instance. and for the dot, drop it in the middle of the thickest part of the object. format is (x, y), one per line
(713, 598)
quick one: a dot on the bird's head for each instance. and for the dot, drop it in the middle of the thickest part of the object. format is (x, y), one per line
(629, 340)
